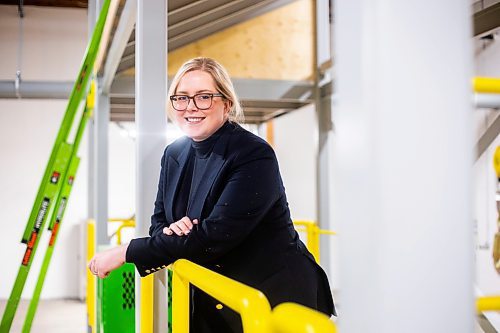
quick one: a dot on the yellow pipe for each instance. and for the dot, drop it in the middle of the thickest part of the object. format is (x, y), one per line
(312, 231)
(486, 85)
(490, 303)
(250, 303)
(91, 279)
(91, 96)
(147, 291)
(122, 220)
(295, 318)
(125, 224)
(180, 303)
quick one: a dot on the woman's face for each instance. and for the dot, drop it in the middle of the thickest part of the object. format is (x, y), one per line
(195, 123)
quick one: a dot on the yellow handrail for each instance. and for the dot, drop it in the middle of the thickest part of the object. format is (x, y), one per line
(91, 279)
(147, 303)
(250, 303)
(295, 318)
(125, 224)
(312, 231)
(489, 303)
(486, 85)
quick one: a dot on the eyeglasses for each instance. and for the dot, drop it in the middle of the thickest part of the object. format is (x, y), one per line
(201, 101)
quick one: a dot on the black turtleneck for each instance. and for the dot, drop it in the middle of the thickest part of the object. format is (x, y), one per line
(193, 173)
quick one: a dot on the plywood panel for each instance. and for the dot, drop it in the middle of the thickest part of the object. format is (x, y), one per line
(276, 45)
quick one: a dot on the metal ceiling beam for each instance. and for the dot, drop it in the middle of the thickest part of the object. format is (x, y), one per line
(487, 19)
(258, 89)
(193, 9)
(273, 104)
(119, 43)
(487, 101)
(199, 18)
(195, 21)
(488, 137)
(213, 26)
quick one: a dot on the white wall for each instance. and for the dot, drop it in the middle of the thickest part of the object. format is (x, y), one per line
(54, 44)
(295, 144)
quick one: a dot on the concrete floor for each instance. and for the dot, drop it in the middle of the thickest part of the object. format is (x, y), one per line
(68, 316)
(53, 316)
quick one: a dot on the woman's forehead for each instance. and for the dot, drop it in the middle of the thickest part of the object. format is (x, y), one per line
(196, 81)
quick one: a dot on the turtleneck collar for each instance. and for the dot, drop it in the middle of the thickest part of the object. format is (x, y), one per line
(203, 148)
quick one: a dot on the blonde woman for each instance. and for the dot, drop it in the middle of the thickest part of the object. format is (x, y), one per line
(221, 204)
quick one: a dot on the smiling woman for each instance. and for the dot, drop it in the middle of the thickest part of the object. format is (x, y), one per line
(208, 111)
(221, 203)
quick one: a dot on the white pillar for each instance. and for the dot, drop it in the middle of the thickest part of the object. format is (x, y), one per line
(91, 13)
(324, 134)
(402, 165)
(101, 163)
(151, 122)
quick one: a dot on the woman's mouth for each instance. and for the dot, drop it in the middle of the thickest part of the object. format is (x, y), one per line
(194, 120)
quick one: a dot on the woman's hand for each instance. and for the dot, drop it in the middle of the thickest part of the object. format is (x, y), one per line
(104, 262)
(181, 227)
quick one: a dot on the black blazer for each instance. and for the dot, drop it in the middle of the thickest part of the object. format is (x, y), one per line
(245, 230)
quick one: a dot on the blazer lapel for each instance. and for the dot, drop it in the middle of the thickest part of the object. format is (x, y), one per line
(174, 173)
(214, 165)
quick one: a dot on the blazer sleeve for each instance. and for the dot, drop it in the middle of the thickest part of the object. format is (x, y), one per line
(251, 189)
(158, 219)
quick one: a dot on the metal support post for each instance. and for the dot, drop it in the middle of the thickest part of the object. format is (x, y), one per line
(150, 119)
(101, 159)
(324, 126)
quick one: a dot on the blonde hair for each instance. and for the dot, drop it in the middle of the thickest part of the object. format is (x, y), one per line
(222, 81)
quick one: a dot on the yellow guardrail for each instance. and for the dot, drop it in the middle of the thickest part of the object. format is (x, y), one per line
(295, 318)
(128, 223)
(147, 303)
(251, 304)
(486, 85)
(312, 232)
(91, 279)
(489, 303)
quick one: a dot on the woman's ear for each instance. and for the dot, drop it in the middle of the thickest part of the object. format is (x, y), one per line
(227, 106)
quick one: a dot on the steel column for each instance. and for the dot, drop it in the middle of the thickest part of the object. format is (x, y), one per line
(101, 162)
(324, 123)
(150, 118)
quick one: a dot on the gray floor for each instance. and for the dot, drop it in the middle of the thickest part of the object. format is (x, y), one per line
(67, 316)
(53, 316)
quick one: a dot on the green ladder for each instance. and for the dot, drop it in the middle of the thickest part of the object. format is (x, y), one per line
(55, 188)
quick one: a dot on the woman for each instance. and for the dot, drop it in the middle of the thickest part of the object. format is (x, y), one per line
(221, 204)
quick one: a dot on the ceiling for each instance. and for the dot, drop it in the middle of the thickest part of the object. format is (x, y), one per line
(192, 20)
(48, 3)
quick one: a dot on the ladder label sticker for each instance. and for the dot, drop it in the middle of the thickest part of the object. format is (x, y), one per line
(41, 213)
(62, 207)
(29, 250)
(71, 179)
(55, 177)
(55, 229)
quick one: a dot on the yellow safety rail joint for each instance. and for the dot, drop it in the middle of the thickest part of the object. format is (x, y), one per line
(489, 303)
(486, 85)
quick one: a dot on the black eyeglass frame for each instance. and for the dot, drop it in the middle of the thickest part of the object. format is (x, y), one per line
(212, 95)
